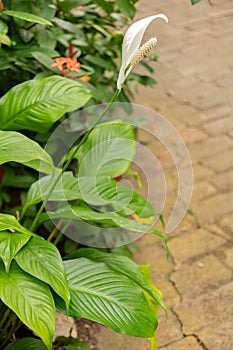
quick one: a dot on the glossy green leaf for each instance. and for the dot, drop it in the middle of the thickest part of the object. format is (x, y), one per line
(42, 260)
(26, 344)
(10, 244)
(3, 28)
(109, 150)
(66, 189)
(30, 299)
(106, 191)
(9, 222)
(37, 104)
(195, 1)
(107, 296)
(139, 274)
(27, 17)
(15, 147)
(111, 219)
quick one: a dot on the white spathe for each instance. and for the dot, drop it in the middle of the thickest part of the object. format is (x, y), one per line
(132, 42)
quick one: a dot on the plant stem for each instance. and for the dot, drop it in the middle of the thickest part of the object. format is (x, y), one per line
(58, 238)
(6, 314)
(54, 231)
(34, 223)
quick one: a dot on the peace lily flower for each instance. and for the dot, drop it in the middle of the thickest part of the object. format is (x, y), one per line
(131, 51)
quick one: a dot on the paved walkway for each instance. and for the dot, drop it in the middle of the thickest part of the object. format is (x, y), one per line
(195, 90)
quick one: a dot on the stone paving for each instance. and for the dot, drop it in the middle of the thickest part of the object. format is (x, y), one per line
(194, 92)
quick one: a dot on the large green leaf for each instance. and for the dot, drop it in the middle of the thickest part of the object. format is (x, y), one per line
(125, 266)
(37, 104)
(109, 297)
(9, 222)
(10, 244)
(111, 219)
(109, 150)
(42, 260)
(15, 147)
(27, 17)
(30, 299)
(106, 191)
(66, 189)
(27, 344)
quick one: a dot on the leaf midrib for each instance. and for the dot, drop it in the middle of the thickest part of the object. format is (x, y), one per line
(17, 116)
(99, 295)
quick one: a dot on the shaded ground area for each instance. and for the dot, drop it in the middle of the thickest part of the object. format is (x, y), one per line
(195, 90)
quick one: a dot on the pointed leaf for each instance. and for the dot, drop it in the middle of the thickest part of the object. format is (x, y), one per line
(10, 244)
(15, 147)
(27, 17)
(66, 189)
(108, 151)
(111, 219)
(106, 191)
(107, 296)
(9, 222)
(127, 267)
(31, 300)
(42, 259)
(37, 104)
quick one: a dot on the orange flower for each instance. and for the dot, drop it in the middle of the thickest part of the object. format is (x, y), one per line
(85, 78)
(59, 63)
(72, 65)
(67, 65)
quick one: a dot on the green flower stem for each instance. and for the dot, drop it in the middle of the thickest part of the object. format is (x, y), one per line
(114, 97)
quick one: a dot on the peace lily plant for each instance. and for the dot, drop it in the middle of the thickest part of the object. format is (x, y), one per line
(35, 278)
(132, 54)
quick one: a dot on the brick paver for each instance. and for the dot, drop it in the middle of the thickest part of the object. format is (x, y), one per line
(195, 90)
(195, 76)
